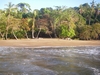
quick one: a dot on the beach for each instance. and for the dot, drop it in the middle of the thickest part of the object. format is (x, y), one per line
(47, 42)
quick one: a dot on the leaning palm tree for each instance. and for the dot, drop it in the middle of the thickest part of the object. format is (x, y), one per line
(8, 11)
(14, 26)
(2, 23)
(56, 16)
(24, 26)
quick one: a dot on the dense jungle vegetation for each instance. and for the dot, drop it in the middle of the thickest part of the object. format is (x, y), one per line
(19, 21)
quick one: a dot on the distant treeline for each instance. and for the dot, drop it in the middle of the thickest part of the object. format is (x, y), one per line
(19, 21)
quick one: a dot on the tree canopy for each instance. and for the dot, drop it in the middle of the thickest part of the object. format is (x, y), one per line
(19, 21)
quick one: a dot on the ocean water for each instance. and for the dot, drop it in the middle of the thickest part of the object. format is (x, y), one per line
(80, 60)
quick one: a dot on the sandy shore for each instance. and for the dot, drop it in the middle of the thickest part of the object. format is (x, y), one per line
(47, 42)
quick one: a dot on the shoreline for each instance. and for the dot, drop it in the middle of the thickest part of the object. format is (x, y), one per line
(44, 43)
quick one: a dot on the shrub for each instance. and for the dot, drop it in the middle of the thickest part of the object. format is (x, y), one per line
(65, 32)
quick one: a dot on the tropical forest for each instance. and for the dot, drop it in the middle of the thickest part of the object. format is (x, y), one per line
(20, 21)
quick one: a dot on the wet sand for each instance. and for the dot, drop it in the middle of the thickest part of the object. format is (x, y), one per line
(47, 42)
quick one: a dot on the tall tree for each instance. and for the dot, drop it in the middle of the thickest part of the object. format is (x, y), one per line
(24, 26)
(14, 26)
(97, 12)
(87, 13)
(33, 23)
(95, 33)
(3, 20)
(24, 7)
(8, 11)
(55, 18)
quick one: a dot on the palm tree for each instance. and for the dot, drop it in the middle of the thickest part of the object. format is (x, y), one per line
(24, 26)
(14, 26)
(97, 10)
(2, 23)
(81, 10)
(33, 23)
(55, 18)
(9, 10)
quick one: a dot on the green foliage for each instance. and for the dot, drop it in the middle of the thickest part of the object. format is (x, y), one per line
(65, 32)
(81, 22)
(24, 7)
(89, 32)
(20, 34)
(85, 32)
(95, 33)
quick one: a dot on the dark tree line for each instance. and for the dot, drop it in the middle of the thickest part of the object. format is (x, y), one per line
(19, 21)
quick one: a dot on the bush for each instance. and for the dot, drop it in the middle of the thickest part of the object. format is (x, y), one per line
(20, 34)
(65, 32)
(85, 32)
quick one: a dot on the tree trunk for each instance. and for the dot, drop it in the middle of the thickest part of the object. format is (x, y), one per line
(7, 24)
(89, 21)
(97, 12)
(14, 35)
(54, 30)
(26, 34)
(50, 35)
(55, 35)
(2, 35)
(33, 28)
(32, 33)
(38, 33)
(6, 34)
